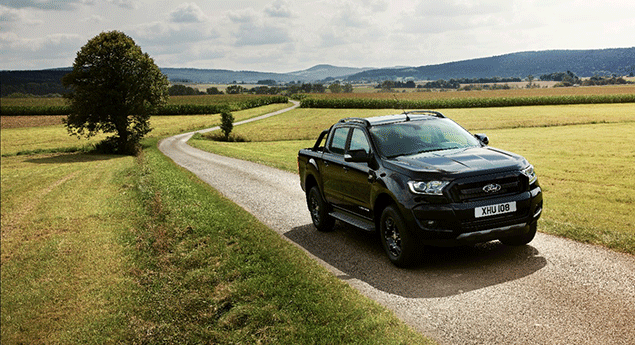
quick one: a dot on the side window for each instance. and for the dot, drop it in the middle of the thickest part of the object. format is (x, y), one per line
(359, 141)
(338, 141)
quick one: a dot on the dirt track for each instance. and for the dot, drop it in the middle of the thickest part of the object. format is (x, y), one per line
(553, 291)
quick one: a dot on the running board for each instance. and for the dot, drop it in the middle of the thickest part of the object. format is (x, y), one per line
(358, 222)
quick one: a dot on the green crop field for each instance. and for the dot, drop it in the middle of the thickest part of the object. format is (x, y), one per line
(583, 155)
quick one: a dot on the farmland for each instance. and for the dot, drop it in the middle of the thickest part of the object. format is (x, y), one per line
(117, 249)
(173, 257)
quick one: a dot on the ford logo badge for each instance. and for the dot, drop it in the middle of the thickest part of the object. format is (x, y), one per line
(492, 188)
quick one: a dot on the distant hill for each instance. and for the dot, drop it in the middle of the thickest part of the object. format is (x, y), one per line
(325, 72)
(315, 73)
(584, 63)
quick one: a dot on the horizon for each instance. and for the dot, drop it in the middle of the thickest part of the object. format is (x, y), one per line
(335, 66)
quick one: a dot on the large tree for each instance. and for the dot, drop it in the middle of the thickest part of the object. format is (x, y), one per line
(115, 88)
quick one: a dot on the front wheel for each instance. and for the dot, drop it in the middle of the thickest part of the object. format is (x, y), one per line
(521, 240)
(319, 213)
(394, 237)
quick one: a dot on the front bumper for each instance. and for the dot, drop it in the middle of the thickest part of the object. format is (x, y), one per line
(455, 223)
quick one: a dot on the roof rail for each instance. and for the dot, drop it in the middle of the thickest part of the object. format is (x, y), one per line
(423, 112)
(360, 120)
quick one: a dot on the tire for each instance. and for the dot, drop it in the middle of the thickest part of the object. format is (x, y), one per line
(521, 240)
(395, 239)
(319, 210)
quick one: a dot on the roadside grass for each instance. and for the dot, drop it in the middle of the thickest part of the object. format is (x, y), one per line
(214, 274)
(582, 153)
(112, 249)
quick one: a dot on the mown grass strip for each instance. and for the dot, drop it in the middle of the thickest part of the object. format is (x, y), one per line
(470, 102)
(63, 260)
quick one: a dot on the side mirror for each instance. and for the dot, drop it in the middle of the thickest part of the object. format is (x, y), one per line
(357, 156)
(482, 138)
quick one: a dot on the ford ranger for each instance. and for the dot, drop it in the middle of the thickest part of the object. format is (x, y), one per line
(419, 178)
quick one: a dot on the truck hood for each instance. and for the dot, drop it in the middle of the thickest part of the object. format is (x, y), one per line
(461, 160)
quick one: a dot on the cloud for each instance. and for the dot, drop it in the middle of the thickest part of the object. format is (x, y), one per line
(171, 33)
(279, 9)
(251, 35)
(95, 18)
(59, 5)
(188, 13)
(30, 53)
(255, 28)
(128, 4)
(20, 16)
(243, 16)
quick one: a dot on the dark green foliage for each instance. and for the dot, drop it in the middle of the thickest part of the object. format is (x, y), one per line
(35, 110)
(226, 123)
(182, 90)
(214, 91)
(115, 88)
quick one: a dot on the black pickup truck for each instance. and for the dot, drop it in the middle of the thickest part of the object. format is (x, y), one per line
(419, 179)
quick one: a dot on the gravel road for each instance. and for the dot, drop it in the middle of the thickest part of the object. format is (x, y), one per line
(553, 291)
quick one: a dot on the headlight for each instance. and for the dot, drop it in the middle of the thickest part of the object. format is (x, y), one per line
(530, 173)
(429, 188)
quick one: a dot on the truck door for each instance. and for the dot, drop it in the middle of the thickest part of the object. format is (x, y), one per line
(356, 187)
(332, 167)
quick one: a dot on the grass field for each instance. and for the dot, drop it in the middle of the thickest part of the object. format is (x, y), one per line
(103, 249)
(583, 155)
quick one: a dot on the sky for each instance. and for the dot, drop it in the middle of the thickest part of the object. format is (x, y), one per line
(285, 36)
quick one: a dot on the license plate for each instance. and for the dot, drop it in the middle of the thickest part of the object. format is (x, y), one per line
(493, 210)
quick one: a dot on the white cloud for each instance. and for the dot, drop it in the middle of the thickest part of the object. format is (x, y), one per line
(170, 34)
(29, 53)
(261, 35)
(19, 16)
(279, 9)
(243, 16)
(95, 18)
(59, 5)
(188, 13)
(128, 4)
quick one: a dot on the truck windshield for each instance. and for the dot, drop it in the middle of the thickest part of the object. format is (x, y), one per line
(413, 137)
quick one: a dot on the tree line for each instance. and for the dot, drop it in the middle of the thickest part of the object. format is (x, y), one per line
(290, 89)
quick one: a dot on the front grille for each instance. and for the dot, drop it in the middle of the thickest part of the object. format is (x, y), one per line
(474, 190)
